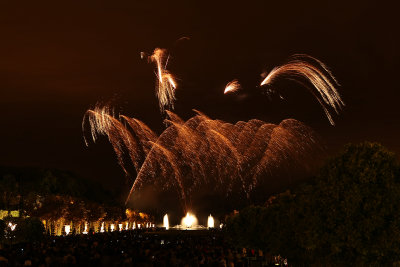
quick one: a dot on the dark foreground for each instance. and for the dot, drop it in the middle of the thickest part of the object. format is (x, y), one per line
(133, 248)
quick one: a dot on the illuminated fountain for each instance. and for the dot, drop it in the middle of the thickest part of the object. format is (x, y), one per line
(189, 220)
(210, 222)
(67, 229)
(85, 232)
(166, 222)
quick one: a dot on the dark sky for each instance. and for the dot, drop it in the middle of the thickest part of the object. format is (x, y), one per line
(58, 58)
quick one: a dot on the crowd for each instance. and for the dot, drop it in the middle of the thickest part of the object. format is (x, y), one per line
(132, 248)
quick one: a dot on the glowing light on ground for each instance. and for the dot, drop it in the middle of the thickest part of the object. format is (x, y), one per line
(85, 231)
(189, 220)
(210, 222)
(166, 222)
(67, 229)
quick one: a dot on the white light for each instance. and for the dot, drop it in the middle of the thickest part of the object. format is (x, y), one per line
(166, 222)
(189, 220)
(134, 225)
(126, 227)
(120, 227)
(67, 229)
(86, 230)
(112, 227)
(210, 222)
(102, 228)
(138, 226)
(12, 226)
(221, 225)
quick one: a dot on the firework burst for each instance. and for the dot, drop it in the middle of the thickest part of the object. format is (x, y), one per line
(302, 68)
(166, 84)
(229, 158)
(232, 87)
(226, 159)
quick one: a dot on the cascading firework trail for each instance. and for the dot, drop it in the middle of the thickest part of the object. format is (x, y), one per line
(166, 84)
(202, 152)
(304, 67)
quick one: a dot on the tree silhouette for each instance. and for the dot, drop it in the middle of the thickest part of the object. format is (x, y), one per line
(347, 215)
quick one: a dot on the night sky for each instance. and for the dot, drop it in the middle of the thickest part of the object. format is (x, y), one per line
(57, 59)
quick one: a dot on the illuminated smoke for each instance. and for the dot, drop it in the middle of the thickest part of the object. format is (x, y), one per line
(303, 68)
(166, 222)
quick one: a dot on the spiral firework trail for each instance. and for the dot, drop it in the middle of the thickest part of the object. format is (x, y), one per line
(303, 67)
(229, 158)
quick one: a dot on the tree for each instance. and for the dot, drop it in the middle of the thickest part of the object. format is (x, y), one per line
(348, 215)
(9, 189)
(51, 208)
(95, 211)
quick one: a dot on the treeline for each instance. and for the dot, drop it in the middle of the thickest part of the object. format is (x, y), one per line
(56, 198)
(348, 215)
(24, 180)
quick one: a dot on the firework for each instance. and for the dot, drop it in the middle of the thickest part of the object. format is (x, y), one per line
(232, 87)
(166, 84)
(306, 68)
(203, 152)
(210, 221)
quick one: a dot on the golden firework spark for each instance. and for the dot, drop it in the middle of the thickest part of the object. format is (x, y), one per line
(202, 151)
(302, 67)
(232, 87)
(166, 84)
